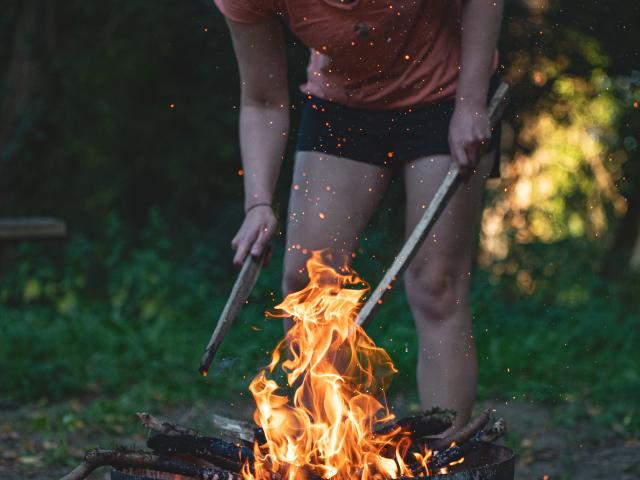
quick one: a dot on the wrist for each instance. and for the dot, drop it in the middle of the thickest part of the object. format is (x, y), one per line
(471, 101)
(260, 198)
(258, 205)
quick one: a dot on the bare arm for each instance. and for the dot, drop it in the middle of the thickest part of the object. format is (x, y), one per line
(470, 127)
(264, 127)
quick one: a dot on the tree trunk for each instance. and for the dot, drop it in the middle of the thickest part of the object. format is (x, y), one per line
(624, 253)
(634, 262)
(34, 40)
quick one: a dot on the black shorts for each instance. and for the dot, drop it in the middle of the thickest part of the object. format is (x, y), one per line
(381, 137)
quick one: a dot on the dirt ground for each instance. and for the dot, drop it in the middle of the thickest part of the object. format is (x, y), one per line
(544, 448)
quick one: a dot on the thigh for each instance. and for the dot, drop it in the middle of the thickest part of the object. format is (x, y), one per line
(331, 201)
(447, 249)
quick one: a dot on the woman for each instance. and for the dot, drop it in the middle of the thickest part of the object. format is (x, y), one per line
(392, 84)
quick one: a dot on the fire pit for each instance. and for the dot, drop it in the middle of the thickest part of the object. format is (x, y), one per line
(490, 462)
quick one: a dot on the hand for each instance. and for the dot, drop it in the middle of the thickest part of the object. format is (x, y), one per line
(469, 130)
(259, 226)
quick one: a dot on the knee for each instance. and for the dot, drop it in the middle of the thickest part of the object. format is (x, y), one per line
(436, 292)
(294, 279)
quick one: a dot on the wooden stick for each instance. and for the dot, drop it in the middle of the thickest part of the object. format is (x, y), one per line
(481, 438)
(223, 454)
(236, 428)
(465, 433)
(445, 192)
(170, 438)
(239, 295)
(498, 429)
(122, 459)
(163, 427)
(430, 422)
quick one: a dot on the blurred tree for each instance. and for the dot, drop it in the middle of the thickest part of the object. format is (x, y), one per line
(569, 168)
(26, 79)
(141, 112)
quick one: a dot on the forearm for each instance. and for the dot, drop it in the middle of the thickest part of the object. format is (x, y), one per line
(264, 129)
(481, 21)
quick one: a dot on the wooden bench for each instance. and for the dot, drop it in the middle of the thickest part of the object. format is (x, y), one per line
(31, 228)
(13, 230)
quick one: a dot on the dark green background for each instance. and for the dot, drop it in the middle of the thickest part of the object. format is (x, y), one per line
(120, 311)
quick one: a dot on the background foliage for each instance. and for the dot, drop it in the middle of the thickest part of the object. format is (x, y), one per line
(120, 117)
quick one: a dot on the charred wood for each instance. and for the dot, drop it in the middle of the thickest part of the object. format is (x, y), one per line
(223, 454)
(234, 428)
(123, 459)
(431, 422)
(162, 427)
(465, 433)
(457, 452)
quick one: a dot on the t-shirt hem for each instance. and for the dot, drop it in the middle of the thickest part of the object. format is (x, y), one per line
(235, 18)
(377, 105)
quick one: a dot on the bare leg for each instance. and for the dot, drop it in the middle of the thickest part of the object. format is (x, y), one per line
(437, 285)
(332, 199)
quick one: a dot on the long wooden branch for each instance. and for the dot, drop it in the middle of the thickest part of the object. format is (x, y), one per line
(411, 246)
(122, 459)
(239, 294)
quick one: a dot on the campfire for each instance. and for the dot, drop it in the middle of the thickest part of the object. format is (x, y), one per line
(330, 426)
(329, 421)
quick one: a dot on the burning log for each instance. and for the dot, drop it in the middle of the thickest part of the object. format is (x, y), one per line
(125, 459)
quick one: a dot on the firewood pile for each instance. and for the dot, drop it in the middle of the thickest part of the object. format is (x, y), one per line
(178, 450)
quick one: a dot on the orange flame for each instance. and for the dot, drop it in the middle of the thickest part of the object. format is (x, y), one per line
(335, 375)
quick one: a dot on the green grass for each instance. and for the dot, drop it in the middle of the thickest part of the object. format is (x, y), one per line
(124, 323)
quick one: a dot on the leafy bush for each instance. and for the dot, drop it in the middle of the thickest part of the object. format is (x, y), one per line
(130, 318)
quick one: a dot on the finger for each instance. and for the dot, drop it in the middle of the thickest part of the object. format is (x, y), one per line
(268, 255)
(488, 133)
(260, 243)
(243, 248)
(483, 147)
(471, 150)
(486, 140)
(236, 240)
(482, 134)
(460, 157)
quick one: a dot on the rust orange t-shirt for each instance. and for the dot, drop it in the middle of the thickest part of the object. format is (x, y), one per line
(377, 54)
